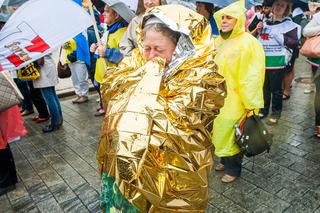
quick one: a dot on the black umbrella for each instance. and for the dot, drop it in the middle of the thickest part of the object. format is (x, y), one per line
(303, 4)
(16, 2)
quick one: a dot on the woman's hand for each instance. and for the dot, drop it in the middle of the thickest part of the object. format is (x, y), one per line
(259, 27)
(93, 47)
(102, 50)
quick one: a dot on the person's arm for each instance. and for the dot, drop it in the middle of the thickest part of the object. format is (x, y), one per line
(251, 75)
(127, 43)
(113, 55)
(291, 39)
(311, 29)
(40, 62)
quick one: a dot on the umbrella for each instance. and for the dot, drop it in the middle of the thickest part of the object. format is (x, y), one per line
(16, 2)
(224, 3)
(303, 4)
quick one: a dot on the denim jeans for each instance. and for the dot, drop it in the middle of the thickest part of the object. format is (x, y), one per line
(233, 164)
(53, 103)
(272, 92)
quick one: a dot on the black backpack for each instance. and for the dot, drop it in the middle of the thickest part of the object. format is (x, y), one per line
(252, 136)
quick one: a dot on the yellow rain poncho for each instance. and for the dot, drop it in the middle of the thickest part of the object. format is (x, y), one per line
(155, 150)
(241, 60)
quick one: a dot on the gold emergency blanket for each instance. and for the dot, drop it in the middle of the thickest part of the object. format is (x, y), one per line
(155, 147)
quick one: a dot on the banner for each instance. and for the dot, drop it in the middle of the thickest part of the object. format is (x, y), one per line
(37, 28)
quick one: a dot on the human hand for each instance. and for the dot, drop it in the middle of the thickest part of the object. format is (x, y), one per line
(259, 27)
(101, 50)
(93, 47)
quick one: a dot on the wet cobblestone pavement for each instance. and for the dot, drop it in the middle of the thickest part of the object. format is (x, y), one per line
(58, 171)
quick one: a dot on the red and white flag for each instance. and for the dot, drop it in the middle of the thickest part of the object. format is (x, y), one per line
(37, 28)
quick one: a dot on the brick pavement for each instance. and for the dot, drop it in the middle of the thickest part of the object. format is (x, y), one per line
(58, 171)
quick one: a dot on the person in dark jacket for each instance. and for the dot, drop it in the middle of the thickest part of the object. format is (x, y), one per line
(206, 8)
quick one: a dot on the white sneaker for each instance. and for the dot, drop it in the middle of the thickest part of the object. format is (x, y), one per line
(309, 90)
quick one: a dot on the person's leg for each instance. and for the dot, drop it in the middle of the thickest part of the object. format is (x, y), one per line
(8, 176)
(39, 101)
(57, 103)
(266, 95)
(232, 165)
(287, 82)
(24, 89)
(101, 110)
(56, 119)
(75, 80)
(276, 80)
(82, 73)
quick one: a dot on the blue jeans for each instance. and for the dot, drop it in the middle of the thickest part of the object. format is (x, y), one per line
(53, 103)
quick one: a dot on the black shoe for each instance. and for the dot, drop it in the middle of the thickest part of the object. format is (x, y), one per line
(7, 189)
(50, 128)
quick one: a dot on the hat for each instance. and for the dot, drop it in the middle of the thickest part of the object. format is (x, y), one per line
(206, 1)
(121, 8)
(4, 17)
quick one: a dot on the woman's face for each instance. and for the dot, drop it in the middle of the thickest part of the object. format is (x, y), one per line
(155, 44)
(201, 9)
(227, 23)
(110, 16)
(151, 3)
(279, 8)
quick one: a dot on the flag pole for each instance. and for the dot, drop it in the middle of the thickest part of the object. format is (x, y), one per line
(96, 31)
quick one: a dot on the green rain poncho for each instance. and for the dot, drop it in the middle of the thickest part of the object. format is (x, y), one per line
(241, 60)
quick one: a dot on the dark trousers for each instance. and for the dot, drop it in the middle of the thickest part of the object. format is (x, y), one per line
(8, 174)
(272, 92)
(31, 96)
(316, 81)
(24, 89)
(52, 100)
(96, 85)
(232, 164)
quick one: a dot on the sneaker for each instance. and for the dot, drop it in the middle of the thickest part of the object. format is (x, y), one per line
(308, 91)
(82, 99)
(27, 112)
(100, 112)
(51, 128)
(74, 101)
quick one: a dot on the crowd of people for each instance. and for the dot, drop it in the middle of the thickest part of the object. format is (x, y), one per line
(172, 86)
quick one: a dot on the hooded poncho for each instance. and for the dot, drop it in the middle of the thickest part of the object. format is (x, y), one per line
(241, 60)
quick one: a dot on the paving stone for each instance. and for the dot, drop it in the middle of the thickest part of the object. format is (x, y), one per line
(49, 205)
(245, 200)
(5, 204)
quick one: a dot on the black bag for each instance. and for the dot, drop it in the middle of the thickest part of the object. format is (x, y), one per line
(252, 137)
(63, 70)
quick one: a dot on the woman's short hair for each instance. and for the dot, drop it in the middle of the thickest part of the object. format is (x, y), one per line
(164, 30)
(288, 9)
(141, 9)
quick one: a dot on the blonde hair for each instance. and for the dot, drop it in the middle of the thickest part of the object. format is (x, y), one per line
(141, 9)
(288, 9)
